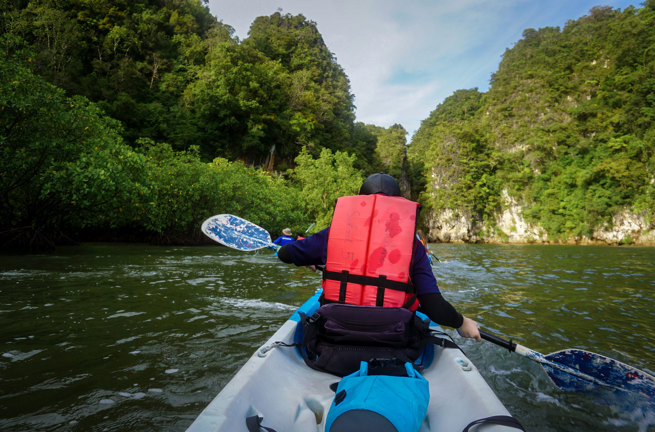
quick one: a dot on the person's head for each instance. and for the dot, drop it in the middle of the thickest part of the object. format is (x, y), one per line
(380, 183)
(287, 232)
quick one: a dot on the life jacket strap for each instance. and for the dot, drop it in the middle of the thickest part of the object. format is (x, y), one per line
(344, 285)
(345, 277)
(410, 302)
(379, 298)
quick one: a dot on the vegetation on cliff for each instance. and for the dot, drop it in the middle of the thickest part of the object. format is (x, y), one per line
(567, 129)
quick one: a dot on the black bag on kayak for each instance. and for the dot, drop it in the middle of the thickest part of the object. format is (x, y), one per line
(338, 337)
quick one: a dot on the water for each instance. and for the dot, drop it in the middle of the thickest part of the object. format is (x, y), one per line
(135, 337)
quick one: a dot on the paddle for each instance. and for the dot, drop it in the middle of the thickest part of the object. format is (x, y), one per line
(575, 369)
(419, 237)
(306, 231)
(237, 233)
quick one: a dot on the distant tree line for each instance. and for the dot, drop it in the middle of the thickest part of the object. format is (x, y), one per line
(139, 119)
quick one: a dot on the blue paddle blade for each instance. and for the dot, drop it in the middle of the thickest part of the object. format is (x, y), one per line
(236, 233)
(603, 370)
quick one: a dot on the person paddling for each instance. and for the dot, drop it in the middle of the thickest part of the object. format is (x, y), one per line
(285, 238)
(431, 257)
(372, 257)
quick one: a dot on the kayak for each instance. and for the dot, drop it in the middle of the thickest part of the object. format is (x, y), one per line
(277, 388)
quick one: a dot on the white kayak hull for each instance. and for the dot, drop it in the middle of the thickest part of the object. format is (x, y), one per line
(277, 385)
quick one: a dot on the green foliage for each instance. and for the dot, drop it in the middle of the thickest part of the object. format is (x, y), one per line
(461, 106)
(170, 72)
(64, 167)
(322, 181)
(320, 91)
(310, 104)
(175, 194)
(133, 58)
(461, 162)
(61, 158)
(182, 191)
(112, 112)
(391, 149)
(566, 128)
(363, 146)
(255, 195)
(238, 102)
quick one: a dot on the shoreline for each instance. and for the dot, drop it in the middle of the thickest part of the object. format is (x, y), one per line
(548, 242)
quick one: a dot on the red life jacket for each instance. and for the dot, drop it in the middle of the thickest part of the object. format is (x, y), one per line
(369, 252)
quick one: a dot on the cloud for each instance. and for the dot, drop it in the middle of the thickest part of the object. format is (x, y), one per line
(403, 58)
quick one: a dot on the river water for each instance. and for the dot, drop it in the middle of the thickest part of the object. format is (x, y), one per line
(136, 337)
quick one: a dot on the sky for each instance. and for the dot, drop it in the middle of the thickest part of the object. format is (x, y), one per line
(404, 57)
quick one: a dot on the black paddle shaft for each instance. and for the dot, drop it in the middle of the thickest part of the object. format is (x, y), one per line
(498, 341)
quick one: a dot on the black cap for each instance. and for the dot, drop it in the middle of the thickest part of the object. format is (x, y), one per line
(380, 183)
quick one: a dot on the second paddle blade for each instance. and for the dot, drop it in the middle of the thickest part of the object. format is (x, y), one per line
(606, 370)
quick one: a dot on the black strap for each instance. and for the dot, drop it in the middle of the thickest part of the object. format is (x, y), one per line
(379, 300)
(408, 304)
(502, 420)
(439, 341)
(343, 288)
(381, 281)
(254, 424)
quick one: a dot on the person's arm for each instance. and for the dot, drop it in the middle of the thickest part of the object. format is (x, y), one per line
(470, 329)
(433, 304)
(306, 252)
(439, 310)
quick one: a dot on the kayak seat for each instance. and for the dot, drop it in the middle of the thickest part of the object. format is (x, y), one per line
(362, 420)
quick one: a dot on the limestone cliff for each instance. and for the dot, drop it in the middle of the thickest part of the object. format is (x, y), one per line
(510, 226)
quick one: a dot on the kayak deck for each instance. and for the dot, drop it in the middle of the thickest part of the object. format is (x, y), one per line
(276, 384)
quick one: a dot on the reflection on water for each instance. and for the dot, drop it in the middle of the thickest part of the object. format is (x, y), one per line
(137, 337)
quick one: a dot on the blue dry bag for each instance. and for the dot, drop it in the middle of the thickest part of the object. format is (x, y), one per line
(380, 403)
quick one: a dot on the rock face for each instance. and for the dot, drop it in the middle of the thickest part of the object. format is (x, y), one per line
(512, 227)
(627, 227)
(451, 226)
